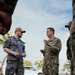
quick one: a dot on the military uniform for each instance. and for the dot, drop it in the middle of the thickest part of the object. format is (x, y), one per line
(69, 53)
(72, 34)
(72, 49)
(8, 5)
(51, 57)
(14, 63)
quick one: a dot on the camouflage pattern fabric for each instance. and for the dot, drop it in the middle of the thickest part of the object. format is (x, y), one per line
(73, 53)
(72, 45)
(14, 67)
(69, 54)
(14, 64)
(15, 45)
(51, 57)
(72, 29)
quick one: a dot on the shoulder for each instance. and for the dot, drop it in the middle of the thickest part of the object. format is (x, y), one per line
(11, 38)
(8, 40)
(22, 41)
(57, 39)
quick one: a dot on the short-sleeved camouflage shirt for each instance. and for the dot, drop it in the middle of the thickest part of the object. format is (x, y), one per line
(15, 45)
(52, 53)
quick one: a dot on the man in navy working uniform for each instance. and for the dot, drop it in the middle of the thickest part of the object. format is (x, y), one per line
(15, 49)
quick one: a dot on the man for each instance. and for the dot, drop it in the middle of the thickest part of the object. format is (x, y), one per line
(51, 53)
(69, 52)
(72, 34)
(15, 49)
(6, 11)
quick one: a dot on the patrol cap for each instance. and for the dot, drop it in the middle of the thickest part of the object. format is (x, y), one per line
(19, 29)
(69, 24)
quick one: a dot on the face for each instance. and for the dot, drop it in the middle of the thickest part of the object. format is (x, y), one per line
(5, 22)
(49, 33)
(19, 34)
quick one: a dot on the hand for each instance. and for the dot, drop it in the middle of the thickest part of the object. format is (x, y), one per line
(16, 54)
(46, 42)
(5, 22)
(24, 54)
(43, 52)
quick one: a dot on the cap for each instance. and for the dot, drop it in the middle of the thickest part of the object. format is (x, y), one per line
(69, 24)
(19, 29)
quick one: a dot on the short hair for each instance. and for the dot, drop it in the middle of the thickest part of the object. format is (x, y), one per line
(51, 29)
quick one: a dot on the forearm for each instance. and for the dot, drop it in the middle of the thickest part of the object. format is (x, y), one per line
(55, 48)
(24, 54)
(8, 51)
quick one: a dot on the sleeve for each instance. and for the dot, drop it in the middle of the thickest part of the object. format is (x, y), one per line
(68, 51)
(57, 46)
(7, 43)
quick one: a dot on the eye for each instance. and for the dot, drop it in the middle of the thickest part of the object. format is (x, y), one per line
(47, 31)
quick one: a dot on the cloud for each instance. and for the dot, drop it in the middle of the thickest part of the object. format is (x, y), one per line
(35, 16)
(35, 12)
(50, 6)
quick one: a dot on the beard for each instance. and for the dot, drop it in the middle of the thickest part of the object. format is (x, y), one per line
(20, 36)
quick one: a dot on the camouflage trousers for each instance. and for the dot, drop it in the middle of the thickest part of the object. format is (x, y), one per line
(50, 69)
(14, 67)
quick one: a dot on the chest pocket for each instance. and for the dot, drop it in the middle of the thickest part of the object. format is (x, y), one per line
(13, 44)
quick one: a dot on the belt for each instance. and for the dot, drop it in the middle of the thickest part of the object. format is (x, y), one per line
(12, 60)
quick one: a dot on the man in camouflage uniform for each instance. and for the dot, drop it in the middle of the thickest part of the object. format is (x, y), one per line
(15, 49)
(6, 11)
(72, 34)
(51, 53)
(68, 52)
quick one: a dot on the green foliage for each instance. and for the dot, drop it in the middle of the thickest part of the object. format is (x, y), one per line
(27, 63)
(39, 63)
(1, 41)
(4, 37)
(67, 66)
(24, 42)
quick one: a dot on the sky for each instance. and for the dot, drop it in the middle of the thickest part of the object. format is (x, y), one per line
(35, 16)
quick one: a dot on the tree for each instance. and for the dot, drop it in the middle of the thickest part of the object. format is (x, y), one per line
(27, 63)
(39, 63)
(4, 37)
(67, 66)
